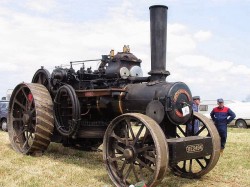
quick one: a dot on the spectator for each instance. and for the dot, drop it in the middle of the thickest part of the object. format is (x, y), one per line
(222, 116)
(193, 128)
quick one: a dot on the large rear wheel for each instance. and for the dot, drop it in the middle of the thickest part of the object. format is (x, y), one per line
(135, 149)
(30, 118)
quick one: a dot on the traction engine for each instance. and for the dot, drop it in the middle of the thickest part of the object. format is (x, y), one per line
(141, 121)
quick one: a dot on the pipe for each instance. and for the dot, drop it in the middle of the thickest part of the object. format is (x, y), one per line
(158, 40)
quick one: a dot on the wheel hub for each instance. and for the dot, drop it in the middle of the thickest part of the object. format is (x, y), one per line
(128, 153)
(26, 118)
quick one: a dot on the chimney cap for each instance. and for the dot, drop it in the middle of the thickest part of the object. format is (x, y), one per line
(154, 6)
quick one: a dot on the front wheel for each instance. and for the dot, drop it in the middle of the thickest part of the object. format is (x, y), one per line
(197, 167)
(135, 149)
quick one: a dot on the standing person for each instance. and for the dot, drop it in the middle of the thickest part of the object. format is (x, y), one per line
(195, 125)
(222, 116)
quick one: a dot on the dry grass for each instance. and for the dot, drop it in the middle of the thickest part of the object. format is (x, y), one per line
(61, 166)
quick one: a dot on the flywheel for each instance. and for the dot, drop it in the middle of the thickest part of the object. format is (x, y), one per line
(42, 76)
(31, 121)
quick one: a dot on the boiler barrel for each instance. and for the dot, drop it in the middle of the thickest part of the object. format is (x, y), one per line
(173, 97)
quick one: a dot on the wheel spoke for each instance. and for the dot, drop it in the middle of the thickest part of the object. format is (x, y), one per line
(138, 134)
(152, 159)
(130, 128)
(184, 165)
(17, 119)
(177, 135)
(199, 162)
(197, 133)
(144, 165)
(123, 167)
(127, 172)
(146, 148)
(25, 143)
(113, 159)
(126, 135)
(15, 138)
(136, 175)
(25, 95)
(183, 133)
(190, 165)
(20, 104)
(27, 136)
(119, 139)
(116, 146)
(141, 173)
(145, 136)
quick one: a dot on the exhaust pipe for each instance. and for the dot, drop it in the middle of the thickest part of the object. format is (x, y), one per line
(158, 39)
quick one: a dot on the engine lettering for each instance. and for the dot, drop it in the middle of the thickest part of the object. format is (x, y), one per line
(194, 148)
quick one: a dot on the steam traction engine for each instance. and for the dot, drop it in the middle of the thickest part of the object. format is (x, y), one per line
(140, 120)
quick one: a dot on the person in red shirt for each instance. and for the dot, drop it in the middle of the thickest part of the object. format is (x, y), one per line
(222, 116)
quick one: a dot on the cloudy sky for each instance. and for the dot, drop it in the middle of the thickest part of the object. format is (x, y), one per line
(207, 43)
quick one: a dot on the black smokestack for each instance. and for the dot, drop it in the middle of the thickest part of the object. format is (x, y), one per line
(158, 36)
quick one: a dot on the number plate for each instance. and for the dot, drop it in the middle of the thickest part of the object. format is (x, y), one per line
(185, 111)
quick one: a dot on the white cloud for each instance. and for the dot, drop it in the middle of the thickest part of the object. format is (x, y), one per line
(203, 63)
(179, 40)
(43, 6)
(177, 28)
(124, 11)
(240, 70)
(202, 36)
(180, 43)
(8, 66)
(211, 78)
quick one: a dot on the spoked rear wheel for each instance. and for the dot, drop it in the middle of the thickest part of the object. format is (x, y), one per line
(195, 168)
(135, 149)
(30, 117)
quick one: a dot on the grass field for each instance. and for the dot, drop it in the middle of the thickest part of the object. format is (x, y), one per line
(61, 166)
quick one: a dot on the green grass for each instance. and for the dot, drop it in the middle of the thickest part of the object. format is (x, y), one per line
(60, 166)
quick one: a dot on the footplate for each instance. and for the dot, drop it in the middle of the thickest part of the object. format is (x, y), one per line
(187, 148)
